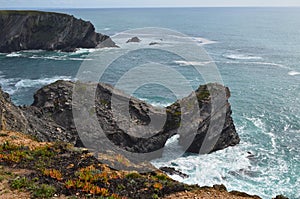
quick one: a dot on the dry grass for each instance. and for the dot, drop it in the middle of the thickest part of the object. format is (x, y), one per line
(20, 139)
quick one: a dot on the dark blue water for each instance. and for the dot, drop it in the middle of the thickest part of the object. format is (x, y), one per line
(257, 51)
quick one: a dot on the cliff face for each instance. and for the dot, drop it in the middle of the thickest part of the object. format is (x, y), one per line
(50, 118)
(11, 116)
(33, 30)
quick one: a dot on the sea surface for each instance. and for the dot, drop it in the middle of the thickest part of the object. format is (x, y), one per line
(257, 52)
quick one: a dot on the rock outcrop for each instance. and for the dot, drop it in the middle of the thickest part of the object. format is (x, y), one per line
(35, 30)
(50, 118)
(11, 116)
(134, 40)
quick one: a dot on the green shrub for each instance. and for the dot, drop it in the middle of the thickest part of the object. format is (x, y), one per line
(44, 191)
(20, 183)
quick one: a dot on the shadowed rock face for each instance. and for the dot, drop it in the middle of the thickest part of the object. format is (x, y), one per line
(34, 30)
(11, 117)
(50, 118)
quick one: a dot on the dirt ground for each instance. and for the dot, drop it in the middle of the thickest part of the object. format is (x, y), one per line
(206, 194)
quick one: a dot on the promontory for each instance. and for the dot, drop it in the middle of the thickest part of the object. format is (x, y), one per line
(36, 30)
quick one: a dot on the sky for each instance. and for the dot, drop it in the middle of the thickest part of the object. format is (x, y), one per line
(5, 4)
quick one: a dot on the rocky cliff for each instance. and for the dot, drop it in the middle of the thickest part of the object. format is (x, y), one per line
(34, 30)
(50, 118)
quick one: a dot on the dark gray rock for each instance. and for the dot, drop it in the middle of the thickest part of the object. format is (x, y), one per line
(50, 118)
(134, 40)
(34, 30)
(11, 117)
(172, 171)
(216, 125)
(281, 197)
(153, 43)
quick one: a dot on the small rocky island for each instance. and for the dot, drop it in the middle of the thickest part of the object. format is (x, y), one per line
(36, 30)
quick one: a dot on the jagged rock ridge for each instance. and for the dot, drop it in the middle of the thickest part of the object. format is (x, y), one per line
(50, 118)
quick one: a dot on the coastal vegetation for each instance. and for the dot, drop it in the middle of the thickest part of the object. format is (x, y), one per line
(45, 170)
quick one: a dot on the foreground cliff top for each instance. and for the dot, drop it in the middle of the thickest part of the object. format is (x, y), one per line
(42, 170)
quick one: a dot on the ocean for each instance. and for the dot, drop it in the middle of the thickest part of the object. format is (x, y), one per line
(257, 52)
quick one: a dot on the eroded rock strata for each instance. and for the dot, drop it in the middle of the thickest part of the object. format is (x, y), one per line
(50, 118)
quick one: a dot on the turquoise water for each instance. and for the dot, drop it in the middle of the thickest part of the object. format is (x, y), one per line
(257, 51)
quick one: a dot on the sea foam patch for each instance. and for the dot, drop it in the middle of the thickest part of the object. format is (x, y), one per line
(14, 54)
(12, 85)
(242, 57)
(191, 63)
(294, 73)
(203, 41)
(28, 83)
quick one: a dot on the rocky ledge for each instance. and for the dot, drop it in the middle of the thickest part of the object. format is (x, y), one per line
(50, 118)
(35, 30)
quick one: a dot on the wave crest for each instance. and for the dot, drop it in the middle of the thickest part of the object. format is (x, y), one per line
(242, 57)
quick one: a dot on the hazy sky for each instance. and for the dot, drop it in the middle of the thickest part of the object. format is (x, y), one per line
(140, 3)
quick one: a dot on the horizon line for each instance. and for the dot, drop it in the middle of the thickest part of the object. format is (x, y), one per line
(148, 7)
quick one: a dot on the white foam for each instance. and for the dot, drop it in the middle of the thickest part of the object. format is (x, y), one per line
(203, 41)
(294, 73)
(269, 64)
(84, 50)
(80, 59)
(29, 83)
(57, 55)
(259, 63)
(14, 54)
(208, 169)
(191, 63)
(242, 57)
(7, 84)
(59, 58)
(155, 104)
(273, 139)
(172, 150)
(33, 51)
(257, 122)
